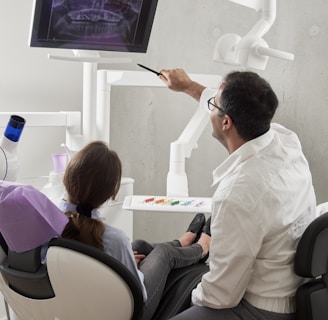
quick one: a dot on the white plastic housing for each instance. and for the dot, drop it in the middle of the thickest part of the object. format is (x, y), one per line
(251, 50)
(9, 163)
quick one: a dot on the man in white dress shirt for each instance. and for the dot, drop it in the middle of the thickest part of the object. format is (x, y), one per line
(263, 202)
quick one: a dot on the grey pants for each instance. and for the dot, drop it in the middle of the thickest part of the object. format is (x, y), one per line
(160, 260)
(244, 311)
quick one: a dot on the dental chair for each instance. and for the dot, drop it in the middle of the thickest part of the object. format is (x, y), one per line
(25, 285)
(81, 282)
(78, 282)
(87, 284)
(311, 262)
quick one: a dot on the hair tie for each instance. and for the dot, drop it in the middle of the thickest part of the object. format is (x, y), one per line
(84, 209)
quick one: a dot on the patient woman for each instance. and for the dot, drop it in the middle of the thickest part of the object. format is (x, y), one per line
(93, 176)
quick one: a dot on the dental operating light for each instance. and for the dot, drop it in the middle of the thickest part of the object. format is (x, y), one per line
(251, 50)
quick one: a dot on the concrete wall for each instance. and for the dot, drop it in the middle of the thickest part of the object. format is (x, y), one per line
(145, 120)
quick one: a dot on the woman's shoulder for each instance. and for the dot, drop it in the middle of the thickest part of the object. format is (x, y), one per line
(116, 243)
(115, 233)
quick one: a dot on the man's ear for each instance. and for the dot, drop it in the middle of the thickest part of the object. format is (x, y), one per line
(227, 122)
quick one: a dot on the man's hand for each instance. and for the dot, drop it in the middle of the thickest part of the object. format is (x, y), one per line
(178, 80)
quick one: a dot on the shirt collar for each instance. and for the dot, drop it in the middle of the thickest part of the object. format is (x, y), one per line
(244, 152)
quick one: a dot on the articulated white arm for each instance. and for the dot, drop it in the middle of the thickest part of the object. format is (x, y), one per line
(251, 50)
(177, 182)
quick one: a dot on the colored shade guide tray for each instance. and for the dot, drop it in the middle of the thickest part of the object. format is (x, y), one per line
(164, 203)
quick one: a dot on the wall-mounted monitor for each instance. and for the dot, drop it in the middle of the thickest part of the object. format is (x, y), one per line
(101, 25)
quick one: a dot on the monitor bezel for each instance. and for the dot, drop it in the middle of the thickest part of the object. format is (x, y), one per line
(143, 32)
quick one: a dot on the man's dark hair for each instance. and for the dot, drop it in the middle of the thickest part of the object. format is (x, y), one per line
(250, 102)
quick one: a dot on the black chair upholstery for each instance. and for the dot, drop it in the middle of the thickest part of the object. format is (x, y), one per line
(311, 262)
(3, 244)
(26, 275)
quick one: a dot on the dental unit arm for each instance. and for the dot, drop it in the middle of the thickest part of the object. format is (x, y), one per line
(177, 195)
(251, 50)
(177, 182)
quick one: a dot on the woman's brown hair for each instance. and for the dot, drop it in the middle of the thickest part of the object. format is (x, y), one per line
(92, 176)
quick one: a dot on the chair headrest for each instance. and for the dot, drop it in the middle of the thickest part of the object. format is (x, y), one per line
(56, 261)
(101, 256)
(311, 259)
(28, 218)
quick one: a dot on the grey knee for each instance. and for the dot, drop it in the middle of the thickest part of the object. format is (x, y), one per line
(142, 246)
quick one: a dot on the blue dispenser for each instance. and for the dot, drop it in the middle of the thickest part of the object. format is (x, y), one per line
(9, 163)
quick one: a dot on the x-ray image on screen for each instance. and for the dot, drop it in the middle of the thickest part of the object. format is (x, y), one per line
(93, 24)
(94, 20)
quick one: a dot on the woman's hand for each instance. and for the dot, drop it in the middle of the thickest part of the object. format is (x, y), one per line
(138, 257)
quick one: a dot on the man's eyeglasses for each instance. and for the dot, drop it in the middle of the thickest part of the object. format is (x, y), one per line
(211, 105)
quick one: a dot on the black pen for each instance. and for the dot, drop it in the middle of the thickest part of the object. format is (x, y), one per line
(151, 70)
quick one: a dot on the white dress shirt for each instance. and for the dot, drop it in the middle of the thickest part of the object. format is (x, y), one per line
(263, 203)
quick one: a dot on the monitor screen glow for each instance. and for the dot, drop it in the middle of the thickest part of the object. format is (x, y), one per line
(102, 25)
